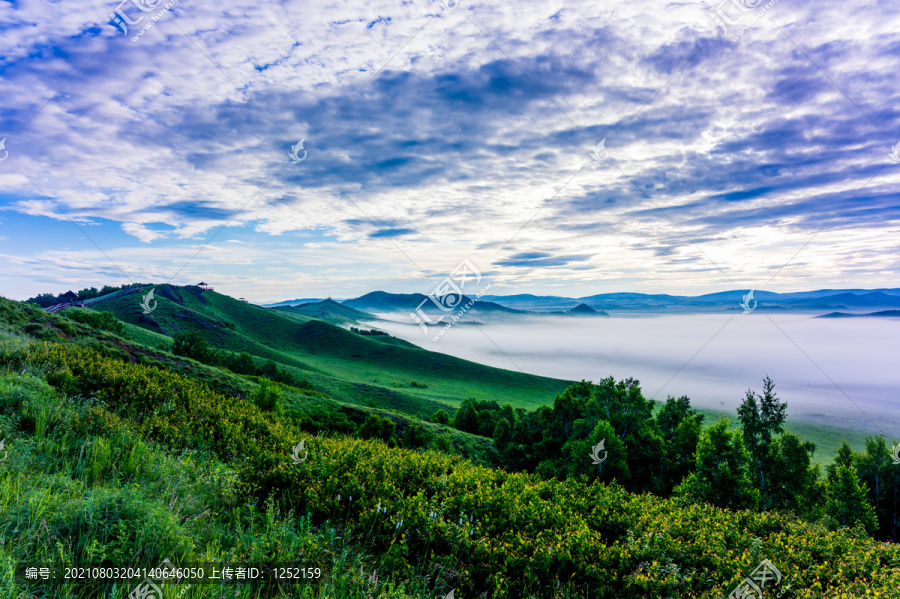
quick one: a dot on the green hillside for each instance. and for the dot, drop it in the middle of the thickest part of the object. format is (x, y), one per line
(120, 454)
(327, 310)
(375, 371)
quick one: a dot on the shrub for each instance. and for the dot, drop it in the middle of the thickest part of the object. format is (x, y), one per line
(441, 417)
(192, 345)
(99, 320)
(379, 427)
(268, 396)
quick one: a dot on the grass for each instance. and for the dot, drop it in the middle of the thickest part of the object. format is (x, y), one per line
(116, 500)
(110, 461)
(353, 368)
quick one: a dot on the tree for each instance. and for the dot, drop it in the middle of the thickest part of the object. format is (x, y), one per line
(621, 404)
(794, 483)
(722, 475)
(416, 436)
(578, 453)
(192, 345)
(847, 503)
(379, 427)
(466, 418)
(526, 446)
(881, 475)
(44, 300)
(441, 417)
(267, 396)
(843, 457)
(762, 418)
(673, 412)
(680, 450)
(242, 364)
(568, 407)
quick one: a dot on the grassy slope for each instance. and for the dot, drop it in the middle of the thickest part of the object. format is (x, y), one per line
(75, 478)
(360, 369)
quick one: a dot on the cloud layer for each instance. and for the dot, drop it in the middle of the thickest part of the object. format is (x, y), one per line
(435, 136)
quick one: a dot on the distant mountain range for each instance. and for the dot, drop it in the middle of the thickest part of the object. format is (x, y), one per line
(881, 314)
(831, 303)
(381, 301)
(811, 301)
(297, 302)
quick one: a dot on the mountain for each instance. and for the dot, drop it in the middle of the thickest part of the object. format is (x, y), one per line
(818, 300)
(295, 302)
(382, 301)
(881, 314)
(587, 310)
(533, 303)
(364, 370)
(495, 308)
(326, 309)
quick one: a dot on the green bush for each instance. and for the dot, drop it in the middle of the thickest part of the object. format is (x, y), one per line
(99, 320)
(441, 417)
(379, 427)
(267, 396)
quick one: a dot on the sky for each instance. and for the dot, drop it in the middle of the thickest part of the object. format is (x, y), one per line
(564, 148)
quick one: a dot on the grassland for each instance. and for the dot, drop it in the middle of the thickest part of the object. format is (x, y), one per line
(122, 453)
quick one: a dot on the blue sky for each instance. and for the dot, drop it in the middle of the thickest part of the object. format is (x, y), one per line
(742, 160)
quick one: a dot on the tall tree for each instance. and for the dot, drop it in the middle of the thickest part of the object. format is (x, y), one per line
(722, 475)
(680, 452)
(794, 482)
(877, 470)
(762, 418)
(847, 502)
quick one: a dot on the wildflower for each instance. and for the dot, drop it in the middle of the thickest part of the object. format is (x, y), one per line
(339, 498)
(379, 507)
(351, 498)
(470, 519)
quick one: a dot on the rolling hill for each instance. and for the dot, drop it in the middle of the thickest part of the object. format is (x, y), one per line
(376, 371)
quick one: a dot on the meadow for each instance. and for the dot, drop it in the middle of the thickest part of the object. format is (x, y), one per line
(122, 452)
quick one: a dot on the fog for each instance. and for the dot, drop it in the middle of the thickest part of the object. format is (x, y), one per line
(847, 370)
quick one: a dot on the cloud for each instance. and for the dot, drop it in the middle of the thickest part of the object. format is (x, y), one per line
(460, 134)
